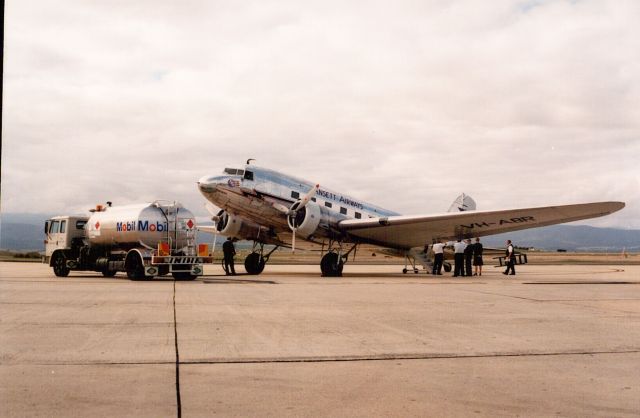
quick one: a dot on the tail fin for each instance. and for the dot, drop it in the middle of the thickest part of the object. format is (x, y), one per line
(463, 203)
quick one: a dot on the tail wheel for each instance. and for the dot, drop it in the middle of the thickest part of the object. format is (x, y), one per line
(183, 275)
(59, 264)
(331, 265)
(134, 266)
(254, 263)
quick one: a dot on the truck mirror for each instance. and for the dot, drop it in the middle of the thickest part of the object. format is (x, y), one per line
(46, 227)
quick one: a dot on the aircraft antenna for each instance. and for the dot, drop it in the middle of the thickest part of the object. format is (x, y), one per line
(249, 160)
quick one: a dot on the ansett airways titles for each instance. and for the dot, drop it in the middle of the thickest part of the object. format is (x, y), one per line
(141, 226)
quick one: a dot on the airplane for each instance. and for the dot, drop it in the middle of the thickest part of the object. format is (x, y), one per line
(272, 208)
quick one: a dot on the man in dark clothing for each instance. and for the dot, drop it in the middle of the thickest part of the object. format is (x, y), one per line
(468, 256)
(510, 259)
(229, 251)
(477, 257)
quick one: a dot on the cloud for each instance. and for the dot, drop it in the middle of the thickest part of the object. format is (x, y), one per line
(405, 105)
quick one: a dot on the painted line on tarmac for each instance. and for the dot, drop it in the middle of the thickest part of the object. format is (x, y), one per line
(348, 358)
(175, 334)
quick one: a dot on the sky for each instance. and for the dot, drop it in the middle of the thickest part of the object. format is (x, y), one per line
(403, 104)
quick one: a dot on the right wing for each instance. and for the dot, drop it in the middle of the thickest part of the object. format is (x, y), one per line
(416, 231)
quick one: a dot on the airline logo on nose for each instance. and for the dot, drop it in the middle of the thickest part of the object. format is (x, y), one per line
(233, 183)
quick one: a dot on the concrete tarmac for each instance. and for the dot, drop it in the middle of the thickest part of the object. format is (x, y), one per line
(553, 340)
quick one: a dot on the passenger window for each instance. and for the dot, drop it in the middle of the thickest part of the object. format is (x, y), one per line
(295, 194)
(55, 227)
(358, 215)
(248, 175)
(63, 226)
(328, 204)
(343, 210)
(80, 224)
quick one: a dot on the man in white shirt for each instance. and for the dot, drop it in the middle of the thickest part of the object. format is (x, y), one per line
(438, 251)
(510, 258)
(458, 257)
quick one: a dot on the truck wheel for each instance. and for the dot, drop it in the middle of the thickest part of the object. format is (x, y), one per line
(135, 269)
(59, 264)
(183, 275)
(109, 273)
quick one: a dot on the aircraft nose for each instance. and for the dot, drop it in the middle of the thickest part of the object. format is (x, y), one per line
(207, 184)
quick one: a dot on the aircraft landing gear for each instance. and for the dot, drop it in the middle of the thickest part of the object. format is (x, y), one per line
(256, 260)
(331, 265)
(334, 260)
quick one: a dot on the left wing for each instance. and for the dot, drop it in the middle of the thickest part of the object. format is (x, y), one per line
(416, 231)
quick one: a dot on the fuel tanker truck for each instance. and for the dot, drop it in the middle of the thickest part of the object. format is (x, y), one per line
(143, 240)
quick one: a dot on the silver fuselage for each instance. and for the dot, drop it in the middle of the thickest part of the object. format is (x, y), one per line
(249, 192)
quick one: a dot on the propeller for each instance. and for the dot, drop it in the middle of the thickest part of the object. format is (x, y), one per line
(293, 213)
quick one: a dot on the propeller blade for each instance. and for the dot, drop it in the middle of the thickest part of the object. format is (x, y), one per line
(293, 241)
(215, 237)
(311, 193)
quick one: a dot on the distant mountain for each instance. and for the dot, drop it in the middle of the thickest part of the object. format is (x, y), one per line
(24, 232)
(572, 238)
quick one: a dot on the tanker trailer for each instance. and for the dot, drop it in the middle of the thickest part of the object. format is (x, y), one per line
(143, 240)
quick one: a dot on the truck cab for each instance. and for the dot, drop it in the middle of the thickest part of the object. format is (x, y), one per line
(60, 232)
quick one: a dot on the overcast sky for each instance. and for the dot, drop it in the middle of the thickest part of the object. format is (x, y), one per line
(401, 103)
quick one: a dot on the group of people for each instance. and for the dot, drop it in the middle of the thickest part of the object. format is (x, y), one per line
(466, 254)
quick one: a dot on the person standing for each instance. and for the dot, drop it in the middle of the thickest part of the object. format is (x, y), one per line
(468, 257)
(477, 257)
(510, 259)
(458, 258)
(229, 251)
(438, 258)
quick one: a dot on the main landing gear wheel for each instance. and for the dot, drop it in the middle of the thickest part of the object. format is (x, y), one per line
(109, 273)
(59, 263)
(447, 267)
(254, 263)
(331, 265)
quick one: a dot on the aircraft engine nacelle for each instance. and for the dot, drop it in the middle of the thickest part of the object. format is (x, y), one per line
(311, 219)
(235, 227)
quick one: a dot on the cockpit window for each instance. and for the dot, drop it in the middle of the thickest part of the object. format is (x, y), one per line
(248, 175)
(233, 171)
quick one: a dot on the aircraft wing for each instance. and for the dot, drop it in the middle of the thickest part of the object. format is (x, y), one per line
(418, 230)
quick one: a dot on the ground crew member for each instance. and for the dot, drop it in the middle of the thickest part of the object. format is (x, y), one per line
(229, 251)
(477, 257)
(510, 259)
(458, 258)
(468, 256)
(438, 251)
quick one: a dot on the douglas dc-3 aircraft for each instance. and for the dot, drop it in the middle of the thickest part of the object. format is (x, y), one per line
(268, 207)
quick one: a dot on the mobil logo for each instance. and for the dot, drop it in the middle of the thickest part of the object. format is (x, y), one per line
(152, 226)
(141, 225)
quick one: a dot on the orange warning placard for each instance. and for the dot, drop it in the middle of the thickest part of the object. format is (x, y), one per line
(163, 248)
(203, 250)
